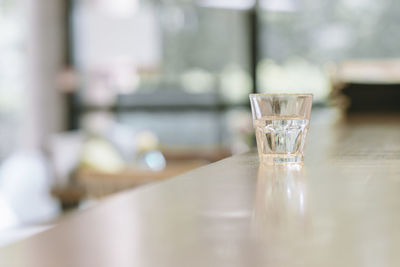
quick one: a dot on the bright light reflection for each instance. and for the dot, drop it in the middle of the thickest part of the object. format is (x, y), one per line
(227, 4)
(119, 8)
(279, 5)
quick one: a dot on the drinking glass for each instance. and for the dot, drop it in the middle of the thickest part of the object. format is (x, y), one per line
(281, 123)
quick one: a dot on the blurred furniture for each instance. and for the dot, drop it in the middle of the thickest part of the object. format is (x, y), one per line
(339, 209)
(369, 85)
(78, 179)
(99, 184)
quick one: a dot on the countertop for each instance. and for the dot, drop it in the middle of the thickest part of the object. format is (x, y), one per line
(341, 208)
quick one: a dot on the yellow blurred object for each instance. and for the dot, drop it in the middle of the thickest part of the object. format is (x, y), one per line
(146, 141)
(100, 155)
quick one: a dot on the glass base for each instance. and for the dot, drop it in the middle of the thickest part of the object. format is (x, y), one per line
(281, 159)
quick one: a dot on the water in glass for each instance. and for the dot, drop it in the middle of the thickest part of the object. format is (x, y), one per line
(281, 138)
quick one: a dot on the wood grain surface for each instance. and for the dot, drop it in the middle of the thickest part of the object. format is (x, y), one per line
(342, 208)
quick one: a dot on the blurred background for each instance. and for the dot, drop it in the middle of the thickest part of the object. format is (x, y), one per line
(98, 96)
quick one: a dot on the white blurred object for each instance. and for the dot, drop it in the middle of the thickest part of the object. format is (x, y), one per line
(124, 139)
(173, 18)
(236, 84)
(65, 149)
(103, 39)
(241, 130)
(7, 215)
(98, 123)
(335, 36)
(280, 5)
(98, 91)
(296, 75)
(25, 186)
(197, 81)
(118, 8)
(124, 78)
(227, 4)
(364, 7)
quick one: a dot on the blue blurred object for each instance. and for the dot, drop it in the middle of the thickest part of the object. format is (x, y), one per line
(153, 160)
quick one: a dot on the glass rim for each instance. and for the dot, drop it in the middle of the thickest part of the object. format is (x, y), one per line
(281, 94)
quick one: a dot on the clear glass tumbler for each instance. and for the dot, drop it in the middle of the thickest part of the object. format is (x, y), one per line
(281, 123)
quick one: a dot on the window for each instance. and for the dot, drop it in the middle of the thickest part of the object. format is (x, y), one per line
(164, 66)
(11, 73)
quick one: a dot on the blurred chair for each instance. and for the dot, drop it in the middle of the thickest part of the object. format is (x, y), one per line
(368, 86)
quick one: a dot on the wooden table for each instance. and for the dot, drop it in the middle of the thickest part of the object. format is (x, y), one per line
(342, 208)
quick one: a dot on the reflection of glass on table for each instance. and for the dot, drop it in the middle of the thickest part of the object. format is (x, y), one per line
(281, 205)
